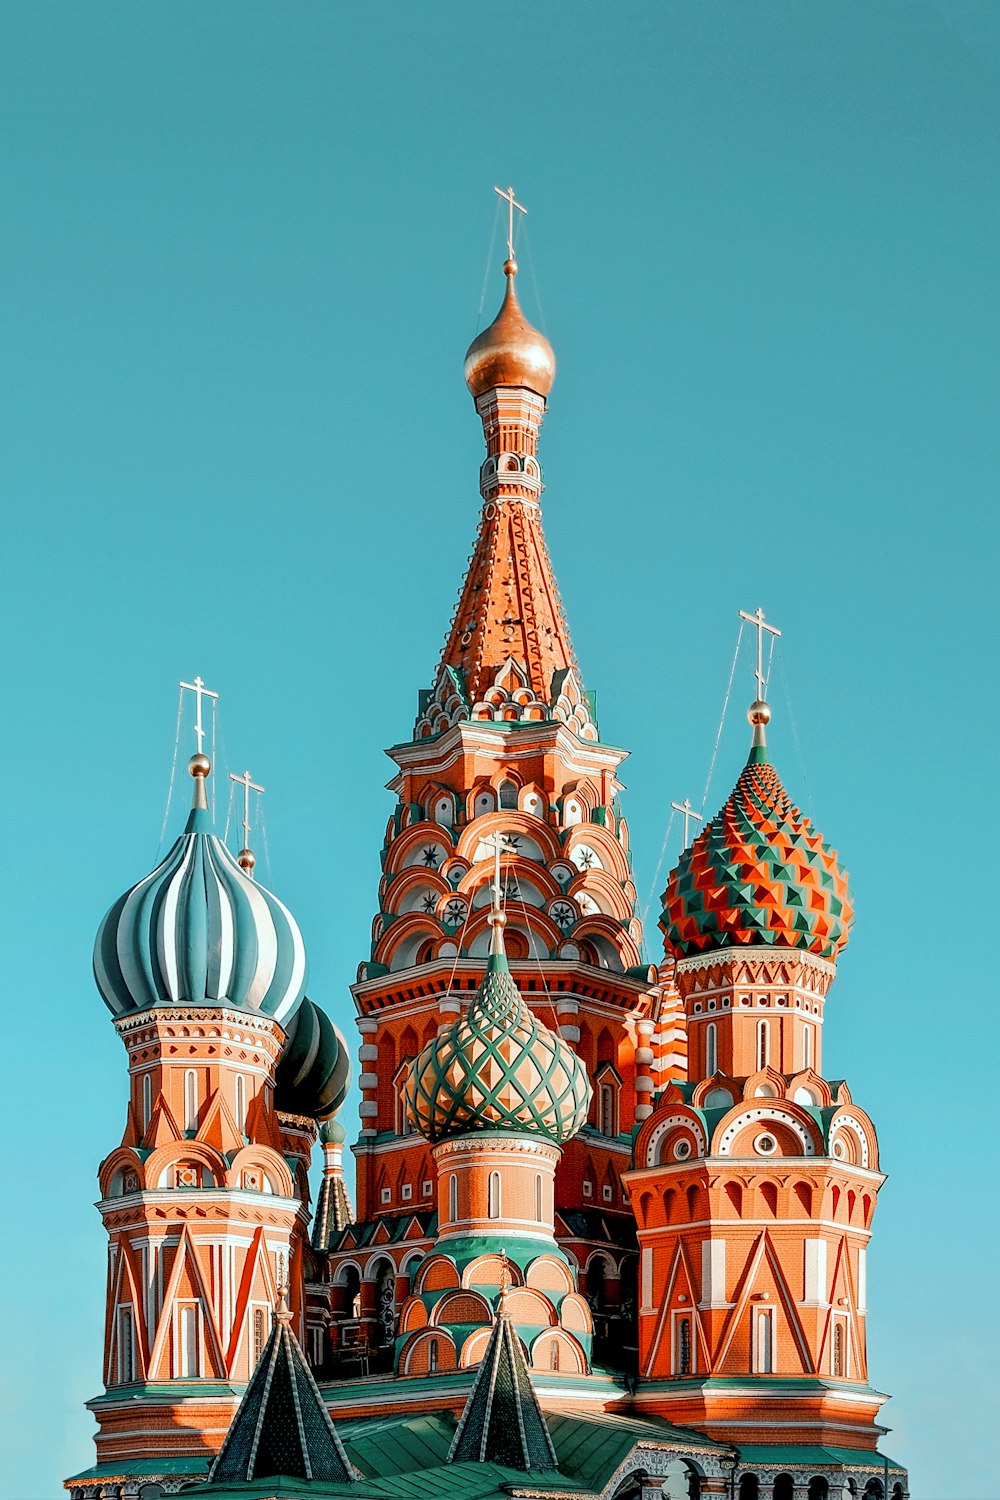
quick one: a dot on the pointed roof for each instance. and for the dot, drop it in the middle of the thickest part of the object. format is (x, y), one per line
(502, 1422)
(509, 611)
(282, 1425)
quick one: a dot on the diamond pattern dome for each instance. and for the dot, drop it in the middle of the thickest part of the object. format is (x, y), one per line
(498, 1068)
(757, 875)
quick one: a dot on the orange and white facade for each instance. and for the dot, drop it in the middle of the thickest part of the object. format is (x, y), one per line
(755, 1180)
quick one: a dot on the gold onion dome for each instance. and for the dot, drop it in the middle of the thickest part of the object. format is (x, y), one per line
(498, 1068)
(510, 351)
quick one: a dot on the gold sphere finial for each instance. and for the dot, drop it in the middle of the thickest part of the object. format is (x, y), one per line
(246, 860)
(759, 712)
(510, 266)
(199, 765)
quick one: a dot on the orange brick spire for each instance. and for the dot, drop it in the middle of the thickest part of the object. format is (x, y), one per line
(508, 655)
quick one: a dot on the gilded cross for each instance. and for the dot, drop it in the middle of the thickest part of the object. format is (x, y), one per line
(689, 813)
(760, 625)
(248, 787)
(497, 842)
(200, 691)
(511, 203)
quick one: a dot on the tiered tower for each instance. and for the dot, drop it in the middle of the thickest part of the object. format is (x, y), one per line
(206, 1199)
(755, 1181)
(505, 744)
(497, 1094)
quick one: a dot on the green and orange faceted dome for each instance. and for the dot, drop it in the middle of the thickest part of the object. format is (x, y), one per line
(758, 875)
(498, 1068)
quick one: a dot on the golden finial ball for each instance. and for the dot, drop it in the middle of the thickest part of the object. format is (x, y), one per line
(246, 860)
(199, 765)
(510, 267)
(498, 919)
(759, 712)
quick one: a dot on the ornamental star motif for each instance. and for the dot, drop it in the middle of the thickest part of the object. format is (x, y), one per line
(562, 914)
(428, 903)
(454, 912)
(432, 856)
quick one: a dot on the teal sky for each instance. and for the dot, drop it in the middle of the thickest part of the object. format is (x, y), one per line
(243, 253)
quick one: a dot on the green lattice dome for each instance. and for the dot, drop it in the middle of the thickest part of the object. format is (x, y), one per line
(498, 1068)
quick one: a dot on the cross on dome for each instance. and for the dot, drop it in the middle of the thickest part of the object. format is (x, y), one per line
(200, 691)
(759, 713)
(511, 203)
(246, 858)
(499, 843)
(689, 813)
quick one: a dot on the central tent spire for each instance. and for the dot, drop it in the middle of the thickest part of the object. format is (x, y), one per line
(508, 656)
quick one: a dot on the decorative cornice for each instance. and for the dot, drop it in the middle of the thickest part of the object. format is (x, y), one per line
(209, 1014)
(723, 957)
(524, 1145)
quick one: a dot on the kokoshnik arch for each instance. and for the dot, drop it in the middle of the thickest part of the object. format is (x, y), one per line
(611, 1220)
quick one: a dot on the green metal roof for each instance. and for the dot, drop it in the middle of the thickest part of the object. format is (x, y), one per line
(792, 1457)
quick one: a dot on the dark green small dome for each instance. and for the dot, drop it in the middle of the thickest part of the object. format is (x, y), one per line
(314, 1068)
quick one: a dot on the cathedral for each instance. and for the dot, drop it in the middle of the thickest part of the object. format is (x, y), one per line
(608, 1232)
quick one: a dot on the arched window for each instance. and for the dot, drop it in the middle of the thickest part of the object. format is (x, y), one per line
(444, 811)
(763, 1044)
(187, 1342)
(807, 1046)
(126, 1346)
(258, 1335)
(190, 1100)
(432, 1355)
(784, 1487)
(838, 1350)
(554, 1355)
(452, 1199)
(493, 1207)
(608, 1123)
(749, 1487)
(682, 1361)
(385, 1303)
(241, 1101)
(508, 794)
(147, 1099)
(711, 1049)
(819, 1488)
(539, 1199)
(763, 1343)
(404, 1125)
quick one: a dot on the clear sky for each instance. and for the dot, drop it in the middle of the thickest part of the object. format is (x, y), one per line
(243, 252)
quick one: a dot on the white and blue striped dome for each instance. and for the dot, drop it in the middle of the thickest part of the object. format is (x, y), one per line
(199, 931)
